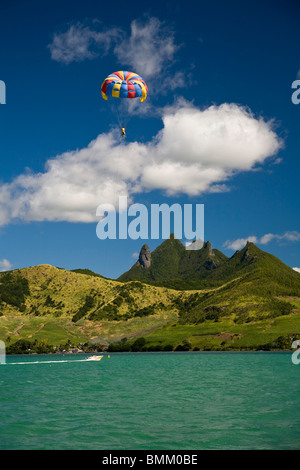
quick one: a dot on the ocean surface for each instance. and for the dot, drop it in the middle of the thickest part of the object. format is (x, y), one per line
(151, 401)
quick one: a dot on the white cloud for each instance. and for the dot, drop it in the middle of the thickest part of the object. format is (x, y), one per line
(239, 243)
(5, 265)
(135, 255)
(81, 42)
(297, 269)
(198, 149)
(195, 152)
(228, 136)
(267, 238)
(292, 236)
(149, 49)
(178, 177)
(74, 183)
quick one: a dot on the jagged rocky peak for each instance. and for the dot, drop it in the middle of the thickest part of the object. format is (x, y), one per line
(145, 257)
(207, 246)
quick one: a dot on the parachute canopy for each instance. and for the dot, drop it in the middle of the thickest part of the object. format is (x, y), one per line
(124, 84)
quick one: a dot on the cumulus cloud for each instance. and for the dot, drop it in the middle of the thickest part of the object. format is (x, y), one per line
(198, 149)
(291, 236)
(74, 183)
(80, 42)
(196, 152)
(297, 269)
(179, 177)
(5, 265)
(227, 135)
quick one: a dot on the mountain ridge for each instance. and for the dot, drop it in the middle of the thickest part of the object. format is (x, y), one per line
(171, 261)
(207, 267)
(241, 302)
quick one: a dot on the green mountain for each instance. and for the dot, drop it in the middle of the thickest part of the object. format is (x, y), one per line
(173, 266)
(245, 287)
(248, 301)
(252, 286)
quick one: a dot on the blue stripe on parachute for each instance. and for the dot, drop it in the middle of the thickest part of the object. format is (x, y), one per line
(109, 88)
(138, 90)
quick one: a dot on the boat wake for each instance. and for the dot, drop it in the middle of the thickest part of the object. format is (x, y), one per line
(46, 362)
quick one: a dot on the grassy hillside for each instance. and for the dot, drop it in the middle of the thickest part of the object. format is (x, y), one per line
(226, 335)
(249, 301)
(55, 305)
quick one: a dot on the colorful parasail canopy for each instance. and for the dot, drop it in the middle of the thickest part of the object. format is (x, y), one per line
(124, 84)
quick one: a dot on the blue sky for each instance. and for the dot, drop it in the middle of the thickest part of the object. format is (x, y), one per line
(218, 126)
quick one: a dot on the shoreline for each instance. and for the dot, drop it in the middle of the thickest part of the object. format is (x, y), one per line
(154, 352)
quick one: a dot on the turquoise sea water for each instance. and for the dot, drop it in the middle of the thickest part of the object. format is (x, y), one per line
(150, 401)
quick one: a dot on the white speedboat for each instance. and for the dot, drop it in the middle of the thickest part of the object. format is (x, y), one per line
(94, 358)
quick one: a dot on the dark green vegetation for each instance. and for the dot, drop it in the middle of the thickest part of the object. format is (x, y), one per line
(88, 272)
(13, 290)
(247, 286)
(28, 347)
(24, 346)
(249, 301)
(175, 267)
